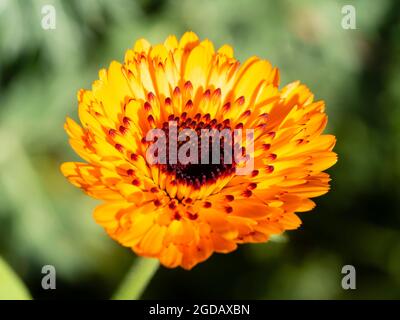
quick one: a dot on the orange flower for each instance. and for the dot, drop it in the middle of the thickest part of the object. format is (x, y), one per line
(182, 213)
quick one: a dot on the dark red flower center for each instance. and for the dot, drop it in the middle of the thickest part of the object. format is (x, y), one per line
(212, 142)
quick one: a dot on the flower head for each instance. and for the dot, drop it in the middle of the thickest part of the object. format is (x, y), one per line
(183, 211)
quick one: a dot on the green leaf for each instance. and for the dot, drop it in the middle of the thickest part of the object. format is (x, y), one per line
(11, 286)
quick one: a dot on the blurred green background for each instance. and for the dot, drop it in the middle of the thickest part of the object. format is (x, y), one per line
(45, 220)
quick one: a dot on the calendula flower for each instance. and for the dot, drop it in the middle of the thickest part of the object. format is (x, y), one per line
(182, 212)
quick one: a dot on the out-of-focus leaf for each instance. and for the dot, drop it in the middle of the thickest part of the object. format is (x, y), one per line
(11, 286)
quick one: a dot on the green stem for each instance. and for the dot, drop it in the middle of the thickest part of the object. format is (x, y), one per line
(137, 279)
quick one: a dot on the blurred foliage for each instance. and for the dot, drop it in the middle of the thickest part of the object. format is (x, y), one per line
(44, 220)
(11, 286)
